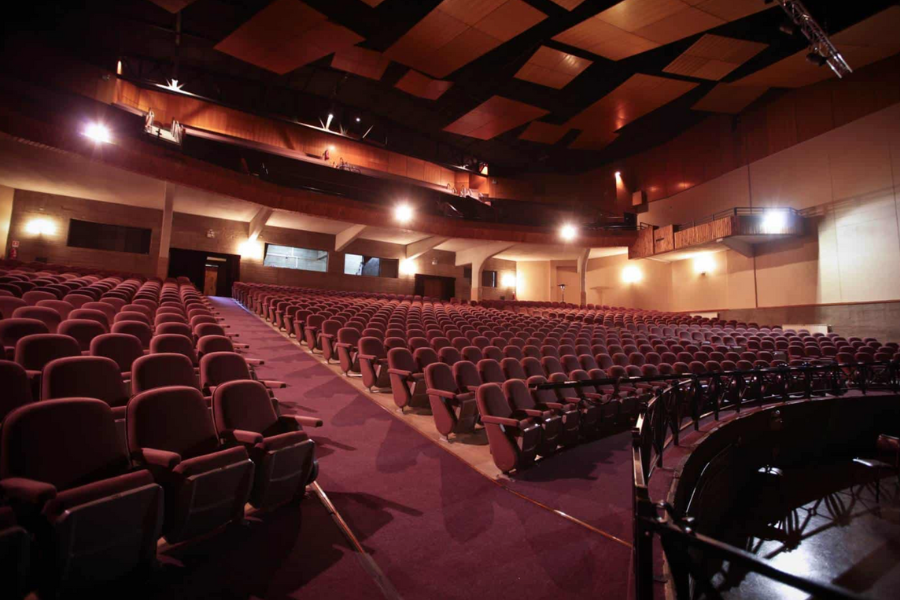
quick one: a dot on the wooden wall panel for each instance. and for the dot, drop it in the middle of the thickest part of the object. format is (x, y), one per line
(643, 245)
(701, 234)
(816, 116)
(781, 125)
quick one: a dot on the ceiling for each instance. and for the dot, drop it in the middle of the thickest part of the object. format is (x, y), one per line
(526, 85)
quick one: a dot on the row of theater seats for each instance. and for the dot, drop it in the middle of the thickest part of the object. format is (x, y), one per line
(439, 355)
(105, 449)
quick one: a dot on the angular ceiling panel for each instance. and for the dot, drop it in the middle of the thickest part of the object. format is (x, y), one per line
(568, 4)
(552, 68)
(713, 57)
(493, 117)
(285, 35)
(173, 6)
(457, 32)
(363, 62)
(543, 133)
(635, 26)
(423, 86)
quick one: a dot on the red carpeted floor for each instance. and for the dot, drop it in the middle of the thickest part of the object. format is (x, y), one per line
(434, 526)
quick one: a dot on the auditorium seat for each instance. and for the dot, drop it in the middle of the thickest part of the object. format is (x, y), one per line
(124, 349)
(17, 390)
(407, 379)
(46, 315)
(94, 516)
(206, 483)
(174, 343)
(373, 363)
(550, 420)
(453, 411)
(12, 330)
(154, 371)
(82, 330)
(283, 455)
(513, 438)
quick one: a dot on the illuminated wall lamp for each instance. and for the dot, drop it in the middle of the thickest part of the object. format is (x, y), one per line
(508, 280)
(251, 249)
(408, 266)
(632, 274)
(40, 227)
(704, 264)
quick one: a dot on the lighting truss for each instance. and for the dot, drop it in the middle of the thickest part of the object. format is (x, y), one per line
(819, 42)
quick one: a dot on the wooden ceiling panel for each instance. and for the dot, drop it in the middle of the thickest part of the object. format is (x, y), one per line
(423, 86)
(363, 62)
(590, 140)
(457, 32)
(552, 68)
(732, 10)
(634, 26)
(636, 97)
(543, 133)
(713, 57)
(729, 98)
(868, 41)
(173, 6)
(603, 39)
(568, 4)
(680, 25)
(285, 35)
(493, 117)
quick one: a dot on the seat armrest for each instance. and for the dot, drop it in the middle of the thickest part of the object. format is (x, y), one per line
(467, 396)
(241, 436)
(273, 384)
(21, 490)
(300, 420)
(534, 413)
(157, 458)
(507, 422)
(400, 372)
(441, 393)
(365, 356)
(552, 406)
(342, 345)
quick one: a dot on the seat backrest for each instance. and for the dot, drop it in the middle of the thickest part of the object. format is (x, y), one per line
(36, 350)
(372, 346)
(8, 305)
(472, 354)
(15, 385)
(84, 377)
(243, 405)
(120, 347)
(178, 328)
(513, 369)
(490, 371)
(492, 401)
(66, 443)
(91, 315)
(175, 419)
(439, 376)
(401, 358)
(205, 329)
(449, 355)
(218, 367)
(532, 366)
(518, 395)
(47, 316)
(214, 343)
(12, 330)
(173, 343)
(424, 357)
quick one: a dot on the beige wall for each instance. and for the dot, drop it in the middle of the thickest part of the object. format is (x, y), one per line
(6, 207)
(189, 232)
(533, 280)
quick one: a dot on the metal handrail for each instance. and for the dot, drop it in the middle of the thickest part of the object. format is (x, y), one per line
(739, 211)
(692, 397)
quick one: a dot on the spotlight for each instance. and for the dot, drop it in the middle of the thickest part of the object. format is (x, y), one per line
(774, 221)
(408, 266)
(618, 175)
(403, 213)
(568, 232)
(508, 280)
(40, 227)
(787, 28)
(357, 119)
(173, 85)
(328, 122)
(817, 59)
(631, 274)
(98, 133)
(251, 249)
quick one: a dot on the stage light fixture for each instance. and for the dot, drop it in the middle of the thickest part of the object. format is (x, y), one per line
(568, 232)
(403, 213)
(98, 132)
(328, 122)
(774, 221)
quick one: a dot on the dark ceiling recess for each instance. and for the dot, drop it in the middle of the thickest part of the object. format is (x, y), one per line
(143, 34)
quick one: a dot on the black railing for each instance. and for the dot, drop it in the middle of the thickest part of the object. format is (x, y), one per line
(680, 401)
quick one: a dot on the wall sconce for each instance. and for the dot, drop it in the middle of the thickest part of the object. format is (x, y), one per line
(40, 227)
(703, 264)
(632, 274)
(251, 249)
(508, 280)
(408, 266)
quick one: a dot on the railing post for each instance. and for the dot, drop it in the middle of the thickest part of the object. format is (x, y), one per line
(643, 545)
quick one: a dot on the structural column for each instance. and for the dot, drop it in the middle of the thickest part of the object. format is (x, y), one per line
(165, 236)
(477, 257)
(582, 274)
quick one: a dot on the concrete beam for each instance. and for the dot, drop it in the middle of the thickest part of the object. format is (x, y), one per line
(740, 246)
(417, 249)
(481, 253)
(347, 236)
(258, 222)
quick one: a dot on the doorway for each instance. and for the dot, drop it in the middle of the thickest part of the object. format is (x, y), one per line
(434, 286)
(212, 272)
